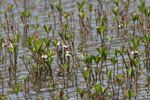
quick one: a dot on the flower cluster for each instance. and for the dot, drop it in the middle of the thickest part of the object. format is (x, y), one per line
(82, 55)
(68, 53)
(134, 52)
(94, 11)
(65, 45)
(144, 43)
(61, 43)
(44, 55)
(4, 44)
(121, 24)
(7, 5)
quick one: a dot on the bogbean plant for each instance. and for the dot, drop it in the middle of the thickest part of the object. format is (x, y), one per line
(55, 60)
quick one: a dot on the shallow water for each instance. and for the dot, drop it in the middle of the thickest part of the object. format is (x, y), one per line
(89, 45)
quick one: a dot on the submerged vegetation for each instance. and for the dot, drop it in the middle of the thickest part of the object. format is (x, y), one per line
(96, 49)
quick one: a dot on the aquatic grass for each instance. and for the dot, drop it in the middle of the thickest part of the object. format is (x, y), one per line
(101, 31)
(57, 59)
(16, 90)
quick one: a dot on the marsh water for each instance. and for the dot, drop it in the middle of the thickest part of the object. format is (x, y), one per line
(89, 44)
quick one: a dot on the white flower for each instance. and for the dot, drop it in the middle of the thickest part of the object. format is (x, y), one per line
(94, 11)
(134, 52)
(144, 43)
(10, 45)
(59, 42)
(7, 5)
(44, 55)
(4, 44)
(120, 25)
(85, 68)
(82, 55)
(68, 53)
(65, 45)
(68, 17)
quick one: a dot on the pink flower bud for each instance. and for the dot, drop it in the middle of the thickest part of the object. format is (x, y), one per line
(11, 26)
(7, 5)
(94, 11)
(144, 43)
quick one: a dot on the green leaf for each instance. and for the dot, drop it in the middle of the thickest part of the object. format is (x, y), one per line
(146, 12)
(52, 6)
(36, 18)
(59, 7)
(15, 47)
(41, 98)
(116, 2)
(122, 50)
(135, 42)
(102, 90)
(88, 59)
(30, 40)
(4, 98)
(49, 15)
(9, 50)
(101, 30)
(50, 61)
(142, 6)
(64, 66)
(109, 74)
(81, 92)
(104, 54)
(27, 14)
(5, 14)
(50, 53)
(80, 64)
(11, 7)
(61, 35)
(86, 74)
(82, 4)
(134, 17)
(78, 3)
(16, 89)
(90, 7)
(46, 28)
(130, 94)
(97, 58)
(100, 51)
(136, 62)
(131, 72)
(115, 52)
(115, 19)
(17, 37)
(82, 15)
(99, 1)
(38, 45)
(118, 79)
(4, 26)
(47, 42)
(1, 41)
(66, 15)
(110, 38)
(55, 42)
(68, 37)
(97, 88)
(115, 11)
